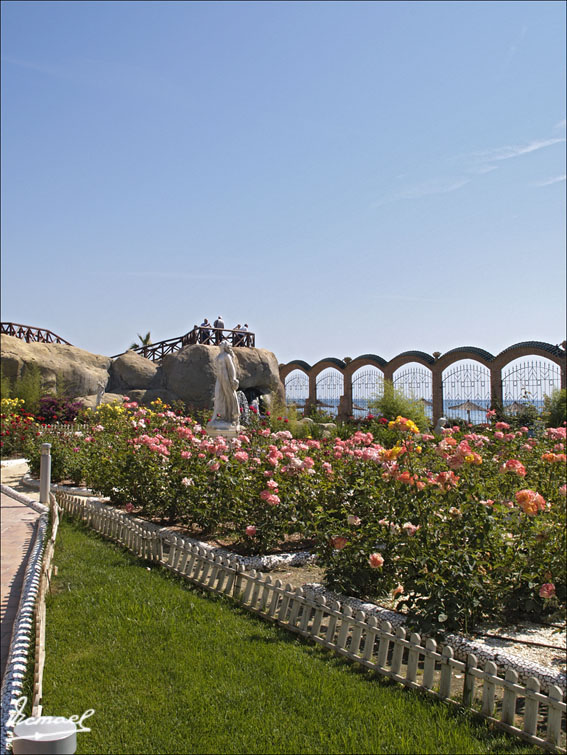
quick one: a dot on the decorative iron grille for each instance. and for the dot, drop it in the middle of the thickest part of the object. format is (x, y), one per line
(367, 385)
(296, 388)
(466, 392)
(529, 383)
(416, 383)
(330, 388)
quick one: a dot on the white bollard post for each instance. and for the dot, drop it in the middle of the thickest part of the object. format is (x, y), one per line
(45, 474)
(45, 735)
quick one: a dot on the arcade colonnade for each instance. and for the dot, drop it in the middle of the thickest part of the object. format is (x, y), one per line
(434, 365)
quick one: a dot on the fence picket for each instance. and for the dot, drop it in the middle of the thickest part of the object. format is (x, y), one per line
(265, 594)
(509, 699)
(468, 684)
(306, 616)
(398, 653)
(429, 663)
(296, 605)
(489, 689)
(413, 657)
(345, 627)
(446, 670)
(332, 625)
(321, 602)
(532, 706)
(258, 582)
(282, 612)
(249, 586)
(554, 714)
(383, 648)
(356, 636)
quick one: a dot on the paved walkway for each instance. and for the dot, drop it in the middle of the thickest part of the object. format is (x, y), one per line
(17, 531)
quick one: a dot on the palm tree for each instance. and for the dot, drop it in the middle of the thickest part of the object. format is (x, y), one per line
(144, 341)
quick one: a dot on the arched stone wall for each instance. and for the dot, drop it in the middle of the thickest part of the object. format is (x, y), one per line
(437, 363)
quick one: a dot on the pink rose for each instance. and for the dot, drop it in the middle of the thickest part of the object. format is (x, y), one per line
(251, 530)
(376, 560)
(547, 590)
(129, 507)
(410, 528)
(338, 542)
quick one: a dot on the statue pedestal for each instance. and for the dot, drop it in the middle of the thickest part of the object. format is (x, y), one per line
(220, 427)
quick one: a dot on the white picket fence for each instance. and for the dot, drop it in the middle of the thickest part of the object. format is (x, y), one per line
(522, 710)
(64, 429)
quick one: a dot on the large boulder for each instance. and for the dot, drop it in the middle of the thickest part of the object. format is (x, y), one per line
(92, 401)
(74, 370)
(190, 373)
(132, 371)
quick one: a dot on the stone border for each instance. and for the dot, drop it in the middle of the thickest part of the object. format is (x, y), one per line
(30, 482)
(13, 462)
(35, 505)
(460, 645)
(16, 665)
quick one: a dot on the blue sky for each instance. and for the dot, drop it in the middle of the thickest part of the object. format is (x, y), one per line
(347, 178)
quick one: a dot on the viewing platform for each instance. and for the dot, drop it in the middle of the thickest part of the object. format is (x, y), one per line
(30, 334)
(207, 336)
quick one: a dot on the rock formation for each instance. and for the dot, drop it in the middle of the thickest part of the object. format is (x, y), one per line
(188, 374)
(77, 371)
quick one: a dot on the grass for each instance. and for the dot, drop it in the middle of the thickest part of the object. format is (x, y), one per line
(171, 670)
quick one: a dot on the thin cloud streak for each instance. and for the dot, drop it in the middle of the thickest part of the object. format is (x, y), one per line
(416, 298)
(506, 153)
(428, 188)
(184, 276)
(550, 181)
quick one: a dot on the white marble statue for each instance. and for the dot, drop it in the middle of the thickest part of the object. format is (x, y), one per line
(99, 394)
(226, 412)
(441, 423)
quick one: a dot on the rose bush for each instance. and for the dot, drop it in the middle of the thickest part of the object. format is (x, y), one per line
(456, 528)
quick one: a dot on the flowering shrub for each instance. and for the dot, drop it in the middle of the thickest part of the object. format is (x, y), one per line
(55, 409)
(17, 427)
(455, 528)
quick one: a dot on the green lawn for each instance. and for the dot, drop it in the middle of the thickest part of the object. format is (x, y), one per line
(171, 670)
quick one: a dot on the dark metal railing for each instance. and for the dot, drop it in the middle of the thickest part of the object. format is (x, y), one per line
(30, 334)
(208, 336)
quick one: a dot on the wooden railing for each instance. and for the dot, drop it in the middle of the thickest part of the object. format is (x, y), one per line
(30, 334)
(208, 336)
(525, 710)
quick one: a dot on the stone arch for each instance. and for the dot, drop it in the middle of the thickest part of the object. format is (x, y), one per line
(466, 389)
(366, 383)
(296, 385)
(526, 380)
(329, 386)
(415, 379)
(296, 364)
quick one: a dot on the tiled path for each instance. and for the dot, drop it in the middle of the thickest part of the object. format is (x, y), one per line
(17, 531)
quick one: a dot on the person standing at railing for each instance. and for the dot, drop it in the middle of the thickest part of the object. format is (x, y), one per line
(219, 327)
(205, 335)
(246, 337)
(237, 337)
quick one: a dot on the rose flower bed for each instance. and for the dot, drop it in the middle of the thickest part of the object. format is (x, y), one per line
(458, 527)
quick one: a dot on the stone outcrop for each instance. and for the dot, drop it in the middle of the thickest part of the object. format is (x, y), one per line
(188, 374)
(77, 371)
(131, 370)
